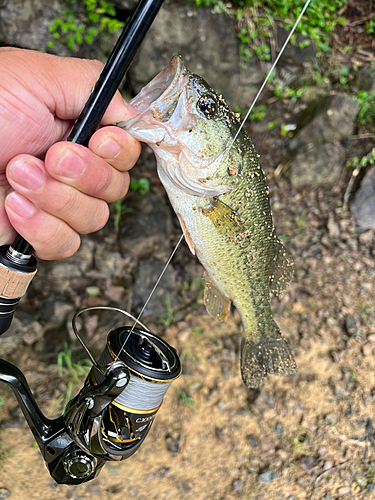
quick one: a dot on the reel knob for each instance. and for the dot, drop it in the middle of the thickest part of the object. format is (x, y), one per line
(79, 465)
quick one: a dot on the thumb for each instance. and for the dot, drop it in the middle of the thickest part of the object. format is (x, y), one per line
(76, 79)
(64, 83)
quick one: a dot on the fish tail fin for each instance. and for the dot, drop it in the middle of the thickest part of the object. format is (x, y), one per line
(260, 356)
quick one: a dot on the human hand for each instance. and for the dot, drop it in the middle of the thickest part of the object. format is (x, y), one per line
(60, 189)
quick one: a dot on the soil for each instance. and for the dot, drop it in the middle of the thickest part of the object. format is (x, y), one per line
(307, 436)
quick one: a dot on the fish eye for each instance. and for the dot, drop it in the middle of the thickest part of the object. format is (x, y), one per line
(207, 105)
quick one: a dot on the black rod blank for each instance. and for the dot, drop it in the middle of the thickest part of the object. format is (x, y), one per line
(114, 71)
(109, 81)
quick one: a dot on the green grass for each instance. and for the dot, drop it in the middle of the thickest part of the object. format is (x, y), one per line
(366, 113)
(100, 19)
(71, 373)
(256, 20)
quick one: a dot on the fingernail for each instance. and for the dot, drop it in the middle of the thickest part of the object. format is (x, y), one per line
(70, 165)
(108, 148)
(26, 174)
(20, 205)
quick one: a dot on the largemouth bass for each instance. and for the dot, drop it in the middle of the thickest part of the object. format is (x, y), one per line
(222, 202)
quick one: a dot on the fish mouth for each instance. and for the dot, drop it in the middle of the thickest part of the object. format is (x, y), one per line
(159, 98)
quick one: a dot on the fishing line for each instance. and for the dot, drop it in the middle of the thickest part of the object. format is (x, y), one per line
(226, 152)
(151, 294)
(269, 74)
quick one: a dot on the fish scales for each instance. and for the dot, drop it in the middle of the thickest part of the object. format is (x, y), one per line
(222, 202)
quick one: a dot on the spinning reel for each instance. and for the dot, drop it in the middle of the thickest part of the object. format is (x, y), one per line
(112, 414)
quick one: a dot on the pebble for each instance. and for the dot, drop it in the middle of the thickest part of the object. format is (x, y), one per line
(371, 487)
(308, 463)
(237, 485)
(367, 349)
(353, 327)
(330, 419)
(4, 493)
(173, 441)
(253, 441)
(344, 490)
(267, 476)
(278, 429)
(322, 451)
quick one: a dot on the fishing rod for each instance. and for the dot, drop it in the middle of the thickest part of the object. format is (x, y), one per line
(112, 414)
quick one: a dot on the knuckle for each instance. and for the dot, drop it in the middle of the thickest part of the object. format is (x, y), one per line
(120, 188)
(60, 242)
(98, 218)
(104, 182)
(70, 203)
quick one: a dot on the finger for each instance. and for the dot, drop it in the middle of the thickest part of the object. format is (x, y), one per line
(116, 147)
(7, 232)
(51, 237)
(80, 168)
(83, 213)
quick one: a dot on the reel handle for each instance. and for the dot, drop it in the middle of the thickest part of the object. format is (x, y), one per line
(71, 458)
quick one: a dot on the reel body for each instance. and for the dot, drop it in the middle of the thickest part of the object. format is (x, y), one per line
(112, 414)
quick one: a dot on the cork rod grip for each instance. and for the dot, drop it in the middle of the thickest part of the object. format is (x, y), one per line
(13, 283)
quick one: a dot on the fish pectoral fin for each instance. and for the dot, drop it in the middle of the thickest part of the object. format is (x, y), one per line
(224, 218)
(188, 239)
(217, 304)
(283, 269)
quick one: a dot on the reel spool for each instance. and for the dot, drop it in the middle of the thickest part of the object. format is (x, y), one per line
(153, 365)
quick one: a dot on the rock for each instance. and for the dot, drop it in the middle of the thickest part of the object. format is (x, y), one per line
(330, 119)
(353, 327)
(267, 476)
(4, 493)
(115, 293)
(326, 125)
(308, 463)
(163, 299)
(278, 428)
(317, 165)
(133, 492)
(371, 487)
(145, 226)
(25, 23)
(173, 441)
(253, 441)
(237, 485)
(333, 227)
(363, 206)
(196, 34)
(330, 419)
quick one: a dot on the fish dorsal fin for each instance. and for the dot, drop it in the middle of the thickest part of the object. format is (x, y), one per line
(188, 239)
(283, 269)
(224, 218)
(217, 304)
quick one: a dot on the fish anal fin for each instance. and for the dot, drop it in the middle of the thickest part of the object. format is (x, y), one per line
(283, 269)
(187, 236)
(265, 355)
(217, 304)
(224, 218)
